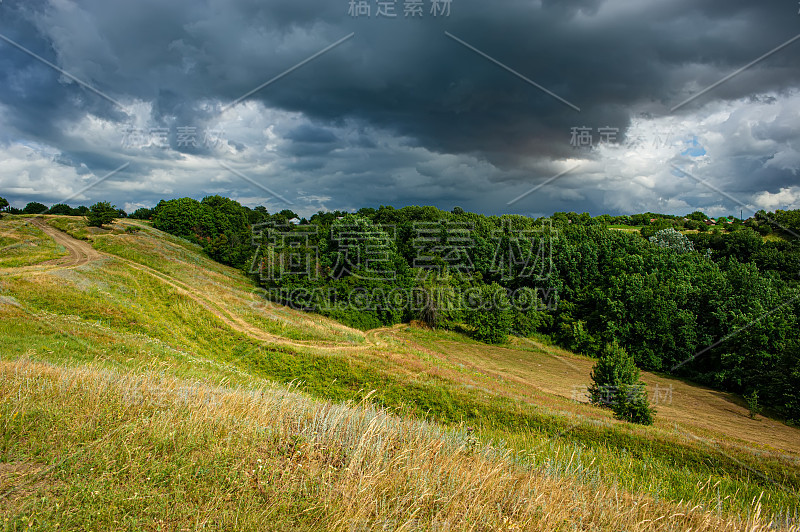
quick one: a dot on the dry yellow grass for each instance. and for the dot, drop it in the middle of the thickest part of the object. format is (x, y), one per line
(547, 375)
(354, 467)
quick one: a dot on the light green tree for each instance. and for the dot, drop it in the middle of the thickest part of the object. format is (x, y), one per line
(672, 239)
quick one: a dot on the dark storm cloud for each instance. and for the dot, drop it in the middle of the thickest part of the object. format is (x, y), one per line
(401, 76)
(406, 75)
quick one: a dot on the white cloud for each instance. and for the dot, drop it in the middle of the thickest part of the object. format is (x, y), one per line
(786, 198)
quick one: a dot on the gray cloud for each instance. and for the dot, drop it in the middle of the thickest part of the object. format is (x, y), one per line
(401, 113)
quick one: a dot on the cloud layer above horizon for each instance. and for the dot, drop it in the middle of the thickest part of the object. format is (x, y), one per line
(474, 108)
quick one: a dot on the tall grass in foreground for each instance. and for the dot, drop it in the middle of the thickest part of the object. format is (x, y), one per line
(93, 449)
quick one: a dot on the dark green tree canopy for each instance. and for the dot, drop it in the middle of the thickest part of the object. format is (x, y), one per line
(615, 368)
(220, 225)
(142, 213)
(488, 311)
(101, 213)
(34, 207)
(61, 209)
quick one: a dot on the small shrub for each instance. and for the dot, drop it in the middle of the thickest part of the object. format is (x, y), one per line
(614, 369)
(672, 239)
(631, 405)
(752, 404)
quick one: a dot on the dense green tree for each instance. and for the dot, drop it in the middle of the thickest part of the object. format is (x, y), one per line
(488, 311)
(61, 209)
(258, 215)
(529, 315)
(284, 216)
(614, 369)
(616, 384)
(101, 213)
(142, 213)
(602, 286)
(219, 224)
(435, 301)
(650, 229)
(3, 204)
(631, 405)
(183, 217)
(34, 207)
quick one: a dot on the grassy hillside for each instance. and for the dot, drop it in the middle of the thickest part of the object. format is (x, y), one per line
(146, 386)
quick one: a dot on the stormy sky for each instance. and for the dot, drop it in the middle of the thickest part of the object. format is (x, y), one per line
(527, 107)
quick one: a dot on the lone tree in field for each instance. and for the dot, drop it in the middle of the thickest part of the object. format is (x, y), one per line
(616, 385)
(101, 213)
(3, 205)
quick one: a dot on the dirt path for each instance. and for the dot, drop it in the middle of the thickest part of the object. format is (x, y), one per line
(233, 321)
(79, 253)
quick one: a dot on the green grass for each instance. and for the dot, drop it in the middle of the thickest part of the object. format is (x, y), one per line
(23, 244)
(126, 463)
(91, 449)
(72, 225)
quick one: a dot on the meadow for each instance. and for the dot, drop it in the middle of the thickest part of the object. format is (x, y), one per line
(153, 388)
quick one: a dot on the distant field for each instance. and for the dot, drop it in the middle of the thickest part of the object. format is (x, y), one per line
(127, 399)
(631, 228)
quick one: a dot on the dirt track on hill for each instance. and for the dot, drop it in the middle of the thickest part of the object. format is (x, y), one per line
(231, 320)
(79, 253)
